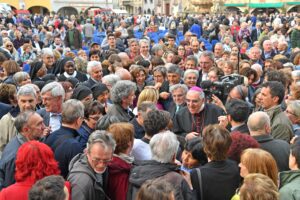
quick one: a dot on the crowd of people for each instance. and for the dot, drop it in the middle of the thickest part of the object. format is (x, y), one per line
(166, 107)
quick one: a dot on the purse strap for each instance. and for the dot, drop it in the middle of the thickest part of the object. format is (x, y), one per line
(200, 181)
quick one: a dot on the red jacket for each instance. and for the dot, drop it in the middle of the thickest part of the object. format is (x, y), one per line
(20, 190)
(118, 173)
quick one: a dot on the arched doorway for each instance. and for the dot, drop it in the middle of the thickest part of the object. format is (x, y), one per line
(233, 9)
(67, 11)
(265, 10)
(294, 9)
(38, 9)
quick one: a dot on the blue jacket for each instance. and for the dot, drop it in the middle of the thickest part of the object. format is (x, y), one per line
(7, 162)
(65, 145)
(84, 132)
(4, 109)
(196, 28)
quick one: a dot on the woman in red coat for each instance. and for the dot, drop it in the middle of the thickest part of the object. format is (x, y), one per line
(35, 160)
(120, 166)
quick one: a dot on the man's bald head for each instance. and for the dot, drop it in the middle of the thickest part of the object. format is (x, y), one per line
(259, 123)
(123, 74)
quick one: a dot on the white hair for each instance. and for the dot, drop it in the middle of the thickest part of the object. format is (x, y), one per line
(190, 71)
(47, 51)
(92, 64)
(164, 146)
(55, 88)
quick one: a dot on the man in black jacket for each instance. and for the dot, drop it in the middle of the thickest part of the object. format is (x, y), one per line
(191, 120)
(237, 114)
(65, 141)
(260, 128)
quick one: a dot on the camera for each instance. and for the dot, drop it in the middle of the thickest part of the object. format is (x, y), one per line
(221, 88)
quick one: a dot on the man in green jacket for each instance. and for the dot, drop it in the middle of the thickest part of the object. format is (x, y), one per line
(272, 94)
(290, 180)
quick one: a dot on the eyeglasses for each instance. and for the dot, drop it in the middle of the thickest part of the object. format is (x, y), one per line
(97, 161)
(204, 63)
(95, 118)
(8, 45)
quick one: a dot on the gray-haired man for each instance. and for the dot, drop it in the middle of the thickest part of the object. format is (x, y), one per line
(88, 174)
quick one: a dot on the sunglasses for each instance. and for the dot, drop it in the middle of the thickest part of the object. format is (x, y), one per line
(9, 46)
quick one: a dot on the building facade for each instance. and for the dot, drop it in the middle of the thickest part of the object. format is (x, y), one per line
(65, 7)
(250, 6)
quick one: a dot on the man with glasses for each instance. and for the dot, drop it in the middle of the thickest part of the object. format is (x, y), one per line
(88, 171)
(206, 61)
(65, 141)
(191, 120)
(53, 95)
(178, 93)
(293, 113)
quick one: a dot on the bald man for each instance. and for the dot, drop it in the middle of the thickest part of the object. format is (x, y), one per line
(125, 60)
(260, 129)
(124, 74)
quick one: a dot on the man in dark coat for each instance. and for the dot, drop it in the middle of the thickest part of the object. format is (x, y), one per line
(138, 121)
(29, 126)
(65, 141)
(178, 93)
(164, 147)
(237, 115)
(73, 38)
(94, 69)
(191, 120)
(122, 95)
(259, 126)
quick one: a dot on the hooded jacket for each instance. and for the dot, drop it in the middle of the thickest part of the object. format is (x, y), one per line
(151, 169)
(119, 171)
(85, 185)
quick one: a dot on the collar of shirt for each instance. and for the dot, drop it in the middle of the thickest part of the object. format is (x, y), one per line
(55, 114)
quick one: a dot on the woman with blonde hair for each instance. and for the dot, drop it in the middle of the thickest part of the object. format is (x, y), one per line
(148, 94)
(258, 161)
(258, 187)
(9, 46)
